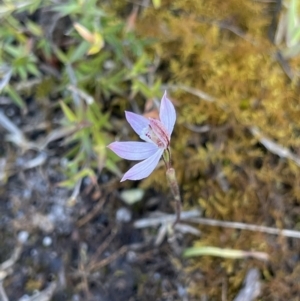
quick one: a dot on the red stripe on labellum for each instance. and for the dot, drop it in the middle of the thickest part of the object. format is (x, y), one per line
(161, 136)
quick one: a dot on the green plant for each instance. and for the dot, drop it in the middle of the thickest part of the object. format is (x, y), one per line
(289, 30)
(102, 60)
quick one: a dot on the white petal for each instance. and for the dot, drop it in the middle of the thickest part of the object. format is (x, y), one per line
(131, 150)
(143, 169)
(137, 122)
(167, 113)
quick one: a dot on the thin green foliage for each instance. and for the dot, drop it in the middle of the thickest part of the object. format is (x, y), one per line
(289, 30)
(102, 60)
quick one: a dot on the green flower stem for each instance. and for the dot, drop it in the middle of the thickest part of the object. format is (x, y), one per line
(167, 158)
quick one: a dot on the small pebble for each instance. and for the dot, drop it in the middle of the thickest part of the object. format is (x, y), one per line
(64, 162)
(75, 298)
(123, 215)
(24, 298)
(87, 181)
(34, 253)
(131, 256)
(47, 241)
(27, 193)
(182, 292)
(109, 64)
(157, 276)
(23, 236)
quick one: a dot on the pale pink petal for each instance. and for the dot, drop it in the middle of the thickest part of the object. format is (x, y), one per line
(143, 169)
(167, 113)
(131, 150)
(137, 122)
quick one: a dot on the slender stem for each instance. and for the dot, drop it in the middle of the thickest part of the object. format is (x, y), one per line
(167, 158)
(165, 161)
(178, 211)
(169, 153)
(175, 191)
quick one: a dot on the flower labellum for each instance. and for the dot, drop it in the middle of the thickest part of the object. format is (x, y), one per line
(155, 132)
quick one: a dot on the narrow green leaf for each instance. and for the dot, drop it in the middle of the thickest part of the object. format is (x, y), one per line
(12, 50)
(67, 9)
(20, 61)
(68, 112)
(6, 9)
(79, 52)
(296, 37)
(225, 253)
(32, 68)
(61, 55)
(292, 21)
(86, 172)
(34, 28)
(14, 96)
(22, 72)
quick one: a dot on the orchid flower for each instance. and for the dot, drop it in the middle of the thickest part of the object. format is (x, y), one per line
(155, 132)
(157, 135)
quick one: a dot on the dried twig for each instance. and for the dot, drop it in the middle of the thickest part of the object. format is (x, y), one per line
(88, 98)
(62, 132)
(11, 261)
(274, 147)
(252, 287)
(194, 217)
(89, 216)
(198, 129)
(16, 135)
(3, 296)
(161, 218)
(193, 91)
(73, 198)
(242, 226)
(83, 258)
(102, 248)
(39, 160)
(109, 259)
(165, 221)
(5, 269)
